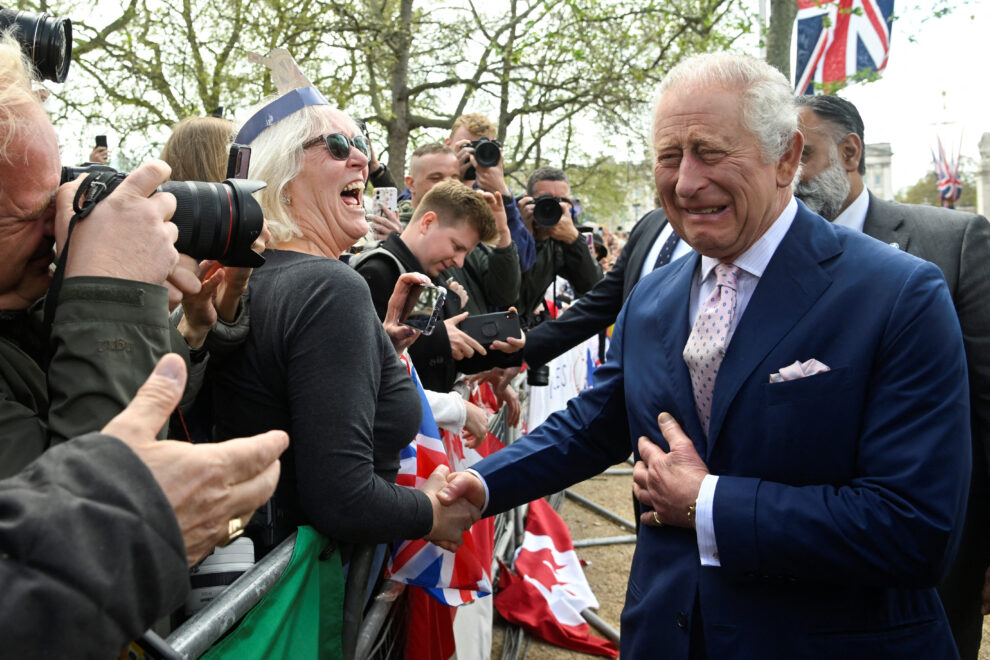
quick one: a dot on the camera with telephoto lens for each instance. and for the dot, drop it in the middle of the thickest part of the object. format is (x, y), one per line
(547, 210)
(216, 220)
(487, 153)
(45, 39)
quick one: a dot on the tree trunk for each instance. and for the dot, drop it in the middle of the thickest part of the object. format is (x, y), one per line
(398, 124)
(782, 15)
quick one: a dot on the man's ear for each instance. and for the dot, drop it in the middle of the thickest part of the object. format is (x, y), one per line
(409, 183)
(788, 164)
(850, 152)
(426, 221)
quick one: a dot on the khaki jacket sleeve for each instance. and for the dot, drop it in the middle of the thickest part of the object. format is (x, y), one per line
(107, 337)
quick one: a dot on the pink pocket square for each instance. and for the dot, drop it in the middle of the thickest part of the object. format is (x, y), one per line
(799, 370)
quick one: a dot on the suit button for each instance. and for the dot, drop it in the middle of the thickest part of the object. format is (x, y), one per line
(682, 620)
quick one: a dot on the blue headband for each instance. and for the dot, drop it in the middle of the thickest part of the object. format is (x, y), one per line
(278, 110)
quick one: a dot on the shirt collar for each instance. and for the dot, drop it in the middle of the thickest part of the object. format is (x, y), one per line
(854, 216)
(754, 260)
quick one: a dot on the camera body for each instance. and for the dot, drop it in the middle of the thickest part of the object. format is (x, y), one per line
(487, 153)
(215, 220)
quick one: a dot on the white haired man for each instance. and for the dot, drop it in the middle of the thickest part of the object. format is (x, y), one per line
(811, 501)
(96, 534)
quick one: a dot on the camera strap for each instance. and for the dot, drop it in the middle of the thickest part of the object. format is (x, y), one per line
(90, 192)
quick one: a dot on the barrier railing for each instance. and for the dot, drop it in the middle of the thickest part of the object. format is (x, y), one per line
(379, 633)
(195, 636)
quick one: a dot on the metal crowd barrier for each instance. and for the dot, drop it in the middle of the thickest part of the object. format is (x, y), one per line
(379, 628)
(195, 636)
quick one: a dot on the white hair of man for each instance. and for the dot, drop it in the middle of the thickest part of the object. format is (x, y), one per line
(768, 109)
(16, 91)
(277, 158)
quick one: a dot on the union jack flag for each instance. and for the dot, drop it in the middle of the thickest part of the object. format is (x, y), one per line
(835, 39)
(451, 578)
(947, 177)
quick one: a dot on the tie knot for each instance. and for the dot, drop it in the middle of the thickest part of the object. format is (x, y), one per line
(726, 275)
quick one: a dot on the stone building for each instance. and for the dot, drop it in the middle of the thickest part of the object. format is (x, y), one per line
(878, 177)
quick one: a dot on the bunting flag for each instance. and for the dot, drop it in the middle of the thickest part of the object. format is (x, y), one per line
(451, 578)
(549, 590)
(947, 177)
(836, 39)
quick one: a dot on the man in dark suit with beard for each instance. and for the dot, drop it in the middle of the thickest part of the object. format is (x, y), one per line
(959, 244)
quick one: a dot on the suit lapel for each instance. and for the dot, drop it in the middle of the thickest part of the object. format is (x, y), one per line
(885, 224)
(676, 307)
(791, 284)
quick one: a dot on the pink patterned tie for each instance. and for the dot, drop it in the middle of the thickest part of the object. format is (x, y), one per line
(706, 346)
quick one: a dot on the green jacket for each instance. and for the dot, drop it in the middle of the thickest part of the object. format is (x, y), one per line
(107, 336)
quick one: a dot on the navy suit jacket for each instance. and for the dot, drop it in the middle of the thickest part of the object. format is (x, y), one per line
(839, 495)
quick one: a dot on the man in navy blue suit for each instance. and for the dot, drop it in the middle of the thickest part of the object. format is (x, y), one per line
(805, 489)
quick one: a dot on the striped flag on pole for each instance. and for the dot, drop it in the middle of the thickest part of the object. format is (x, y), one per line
(836, 39)
(947, 177)
(451, 578)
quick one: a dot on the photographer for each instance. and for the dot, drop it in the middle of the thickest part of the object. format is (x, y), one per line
(490, 276)
(96, 535)
(111, 323)
(468, 133)
(560, 248)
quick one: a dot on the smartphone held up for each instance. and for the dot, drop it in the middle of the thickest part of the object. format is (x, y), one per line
(424, 307)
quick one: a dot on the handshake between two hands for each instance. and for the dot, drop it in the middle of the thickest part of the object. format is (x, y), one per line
(457, 500)
(665, 482)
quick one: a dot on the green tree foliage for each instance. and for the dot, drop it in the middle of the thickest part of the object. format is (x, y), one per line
(547, 71)
(543, 70)
(924, 191)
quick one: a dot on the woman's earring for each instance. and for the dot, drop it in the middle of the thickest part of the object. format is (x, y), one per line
(285, 199)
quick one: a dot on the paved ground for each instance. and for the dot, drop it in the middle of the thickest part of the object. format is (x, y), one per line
(608, 566)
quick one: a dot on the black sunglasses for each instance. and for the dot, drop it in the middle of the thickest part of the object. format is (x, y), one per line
(339, 145)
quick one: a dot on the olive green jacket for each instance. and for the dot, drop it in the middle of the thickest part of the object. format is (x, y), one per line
(107, 336)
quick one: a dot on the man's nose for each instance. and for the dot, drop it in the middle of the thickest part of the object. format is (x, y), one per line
(690, 176)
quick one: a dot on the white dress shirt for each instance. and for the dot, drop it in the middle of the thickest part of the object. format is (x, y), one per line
(751, 265)
(854, 216)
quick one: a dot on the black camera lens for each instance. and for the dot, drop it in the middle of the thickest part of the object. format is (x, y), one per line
(538, 376)
(547, 211)
(217, 220)
(45, 39)
(487, 153)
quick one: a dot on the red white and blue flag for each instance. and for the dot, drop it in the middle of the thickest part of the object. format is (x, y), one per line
(836, 39)
(947, 177)
(548, 590)
(451, 578)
